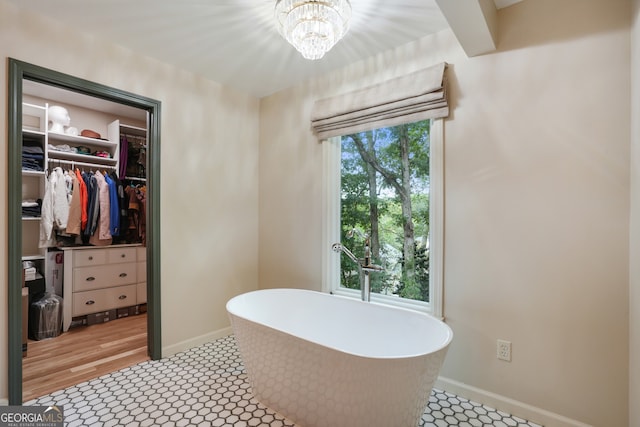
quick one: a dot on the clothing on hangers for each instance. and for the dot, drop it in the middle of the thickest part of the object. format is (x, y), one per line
(83, 200)
(55, 208)
(93, 204)
(102, 234)
(124, 156)
(114, 211)
(74, 223)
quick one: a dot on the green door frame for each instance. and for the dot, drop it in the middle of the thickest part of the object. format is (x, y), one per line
(19, 71)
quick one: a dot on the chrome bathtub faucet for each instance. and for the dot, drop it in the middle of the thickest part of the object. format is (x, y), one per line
(365, 267)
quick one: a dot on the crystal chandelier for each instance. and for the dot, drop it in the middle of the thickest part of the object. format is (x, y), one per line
(313, 26)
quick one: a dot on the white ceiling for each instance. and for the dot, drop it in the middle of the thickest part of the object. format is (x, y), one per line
(235, 42)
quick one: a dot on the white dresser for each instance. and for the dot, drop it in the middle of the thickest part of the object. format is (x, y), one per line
(98, 279)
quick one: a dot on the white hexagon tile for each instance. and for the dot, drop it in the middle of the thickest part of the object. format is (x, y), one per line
(207, 386)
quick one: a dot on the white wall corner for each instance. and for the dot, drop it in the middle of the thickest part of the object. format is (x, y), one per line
(500, 4)
(474, 23)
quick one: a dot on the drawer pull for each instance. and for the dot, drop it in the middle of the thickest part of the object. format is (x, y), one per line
(122, 256)
(90, 302)
(90, 258)
(123, 274)
(90, 279)
(122, 297)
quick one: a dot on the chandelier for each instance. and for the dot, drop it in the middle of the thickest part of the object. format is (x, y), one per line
(313, 27)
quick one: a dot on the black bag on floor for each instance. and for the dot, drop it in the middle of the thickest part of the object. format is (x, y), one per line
(45, 317)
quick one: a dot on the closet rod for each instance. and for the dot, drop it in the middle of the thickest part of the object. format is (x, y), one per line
(89, 165)
(134, 178)
(132, 136)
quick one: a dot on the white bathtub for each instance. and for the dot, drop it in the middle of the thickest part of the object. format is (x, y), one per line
(325, 360)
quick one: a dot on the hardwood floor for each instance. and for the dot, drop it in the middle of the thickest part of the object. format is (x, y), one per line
(83, 353)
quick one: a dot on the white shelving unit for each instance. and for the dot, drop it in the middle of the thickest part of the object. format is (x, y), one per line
(109, 146)
(35, 131)
(34, 119)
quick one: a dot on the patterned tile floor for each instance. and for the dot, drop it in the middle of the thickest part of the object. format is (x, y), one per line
(207, 386)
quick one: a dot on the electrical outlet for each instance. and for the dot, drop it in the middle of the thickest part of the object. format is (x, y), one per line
(504, 350)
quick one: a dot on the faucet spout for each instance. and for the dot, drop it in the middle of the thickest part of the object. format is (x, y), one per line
(337, 247)
(364, 266)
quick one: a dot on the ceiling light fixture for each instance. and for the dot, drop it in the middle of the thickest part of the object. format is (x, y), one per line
(313, 27)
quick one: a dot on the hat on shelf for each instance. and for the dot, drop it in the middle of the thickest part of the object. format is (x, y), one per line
(90, 134)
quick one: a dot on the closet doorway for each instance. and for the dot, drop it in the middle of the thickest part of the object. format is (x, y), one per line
(22, 76)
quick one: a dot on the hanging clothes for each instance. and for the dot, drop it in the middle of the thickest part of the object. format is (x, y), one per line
(136, 214)
(68, 181)
(122, 207)
(46, 213)
(141, 194)
(138, 204)
(55, 208)
(93, 204)
(124, 155)
(60, 199)
(102, 235)
(74, 223)
(83, 200)
(114, 211)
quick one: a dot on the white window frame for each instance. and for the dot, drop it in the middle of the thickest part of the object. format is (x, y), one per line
(331, 158)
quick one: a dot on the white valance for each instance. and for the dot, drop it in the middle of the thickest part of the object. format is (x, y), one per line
(417, 96)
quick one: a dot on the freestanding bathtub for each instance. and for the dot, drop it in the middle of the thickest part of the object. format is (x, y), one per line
(325, 360)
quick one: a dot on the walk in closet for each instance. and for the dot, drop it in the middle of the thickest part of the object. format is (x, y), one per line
(84, 213)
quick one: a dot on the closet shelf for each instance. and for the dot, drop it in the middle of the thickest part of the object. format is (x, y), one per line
(37, 133)
(34, 119)
(64, 155)
(133, 130)
(31, 218)
(33, 109)
(81, 140)
(32, 173)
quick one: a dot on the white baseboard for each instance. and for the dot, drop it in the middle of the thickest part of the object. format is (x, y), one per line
(195, 342)
(4, 402)
(506, 404)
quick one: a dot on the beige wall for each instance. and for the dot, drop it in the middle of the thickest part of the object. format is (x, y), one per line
(209, 180)
(634, 253)
(537, 194)
(537, 202)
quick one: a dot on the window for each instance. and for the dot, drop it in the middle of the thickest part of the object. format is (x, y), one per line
(387, 183)
(385, 107)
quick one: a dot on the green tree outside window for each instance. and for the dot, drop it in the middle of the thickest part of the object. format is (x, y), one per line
(385, 193)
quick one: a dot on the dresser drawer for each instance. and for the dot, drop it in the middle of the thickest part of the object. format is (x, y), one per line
(101, 276)
(103, 299)
(83, 258)
(121, 255)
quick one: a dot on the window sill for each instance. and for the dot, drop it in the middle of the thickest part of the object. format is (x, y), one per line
(393, 301)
